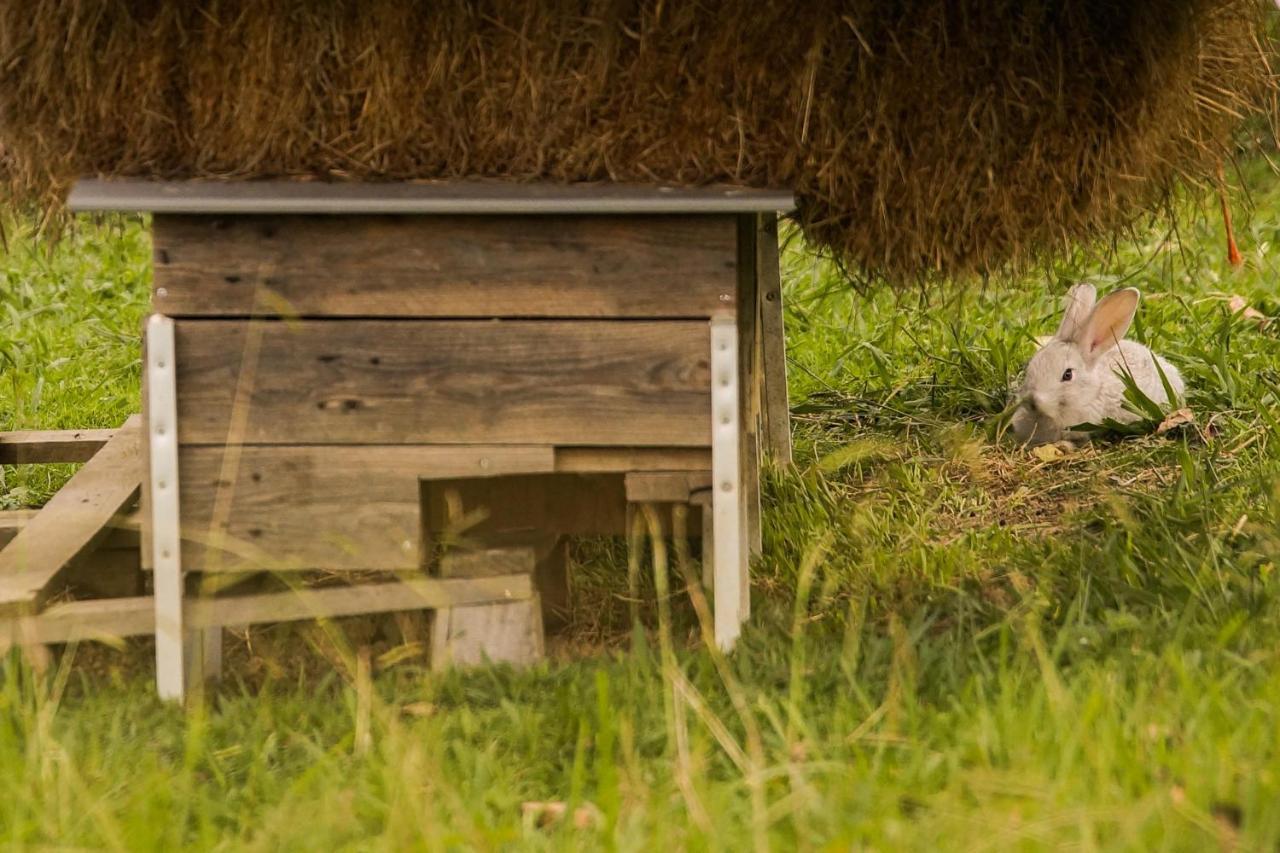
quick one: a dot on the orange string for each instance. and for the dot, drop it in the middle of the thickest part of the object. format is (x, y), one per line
(1233, 251)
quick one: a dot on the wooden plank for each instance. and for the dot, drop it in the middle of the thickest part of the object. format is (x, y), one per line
(133, 617)
(497, 633)
(122, 534)
(750, 384)
(403, 267)
(73, 522)
(331, 602)
(591, 460)
(777, 413)
(41, 446)
(339, 508)
(486, 562)
(515, 382)
(508, 632)
(665, 486)
(470, 197)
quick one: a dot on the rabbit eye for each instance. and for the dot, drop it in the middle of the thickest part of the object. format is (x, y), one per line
(1066, 375)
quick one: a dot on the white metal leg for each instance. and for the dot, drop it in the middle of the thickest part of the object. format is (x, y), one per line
(726, 503)
(162, 426)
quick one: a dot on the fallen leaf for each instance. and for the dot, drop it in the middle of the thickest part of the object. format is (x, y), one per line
(1047, 452)
(545, 814)
(1175, 419)
(1239, 305)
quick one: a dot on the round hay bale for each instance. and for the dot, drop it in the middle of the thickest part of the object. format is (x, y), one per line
(921, 136)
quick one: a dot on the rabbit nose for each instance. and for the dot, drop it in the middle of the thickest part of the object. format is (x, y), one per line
(1038, 403)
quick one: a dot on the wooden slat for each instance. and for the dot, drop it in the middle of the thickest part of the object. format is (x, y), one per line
(589, 460)
(31, 446)
(413, 594)
(751, 383)
(377, 266)
(470, 197)
(487, 562)
(122, 534)
(131, 617)
(73, 522)
(510, 632)
(777, 414)
(665, 486)
(339, 508)
(517, 382)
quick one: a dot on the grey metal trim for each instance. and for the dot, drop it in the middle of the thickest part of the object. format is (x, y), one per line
(452, 197)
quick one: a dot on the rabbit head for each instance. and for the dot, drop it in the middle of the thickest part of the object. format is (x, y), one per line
(1070, 381)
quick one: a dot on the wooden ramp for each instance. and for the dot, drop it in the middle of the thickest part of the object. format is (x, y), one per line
(88, 536)
(76, 519)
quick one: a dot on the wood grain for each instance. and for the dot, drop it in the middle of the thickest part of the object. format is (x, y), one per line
(322, 507)
(32, 446)
(665, 486)
(74, 520)
(516, 382)
(777, 413)
(587, 460)
(442, 266)
(128, 617)
(471, 635)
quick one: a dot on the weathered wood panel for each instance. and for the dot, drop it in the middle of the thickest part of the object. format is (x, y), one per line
(777, 414)
(665, 487)
(625, 459)
(70, 445)
(516, 382)
(441, 266)
(72, 523)
(318, 507)
(508, 632)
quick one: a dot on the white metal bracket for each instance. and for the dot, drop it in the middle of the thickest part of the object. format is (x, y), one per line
(729, 555)
(162, 429)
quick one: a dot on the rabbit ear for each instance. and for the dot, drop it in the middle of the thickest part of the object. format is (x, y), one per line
(1108, 322)
(1077, 305)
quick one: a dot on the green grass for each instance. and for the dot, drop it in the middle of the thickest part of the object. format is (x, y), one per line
(956, 645)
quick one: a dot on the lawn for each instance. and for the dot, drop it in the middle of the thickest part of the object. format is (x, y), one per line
(956, 644)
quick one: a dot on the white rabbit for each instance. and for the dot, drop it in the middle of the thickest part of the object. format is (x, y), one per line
(1074, 378)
